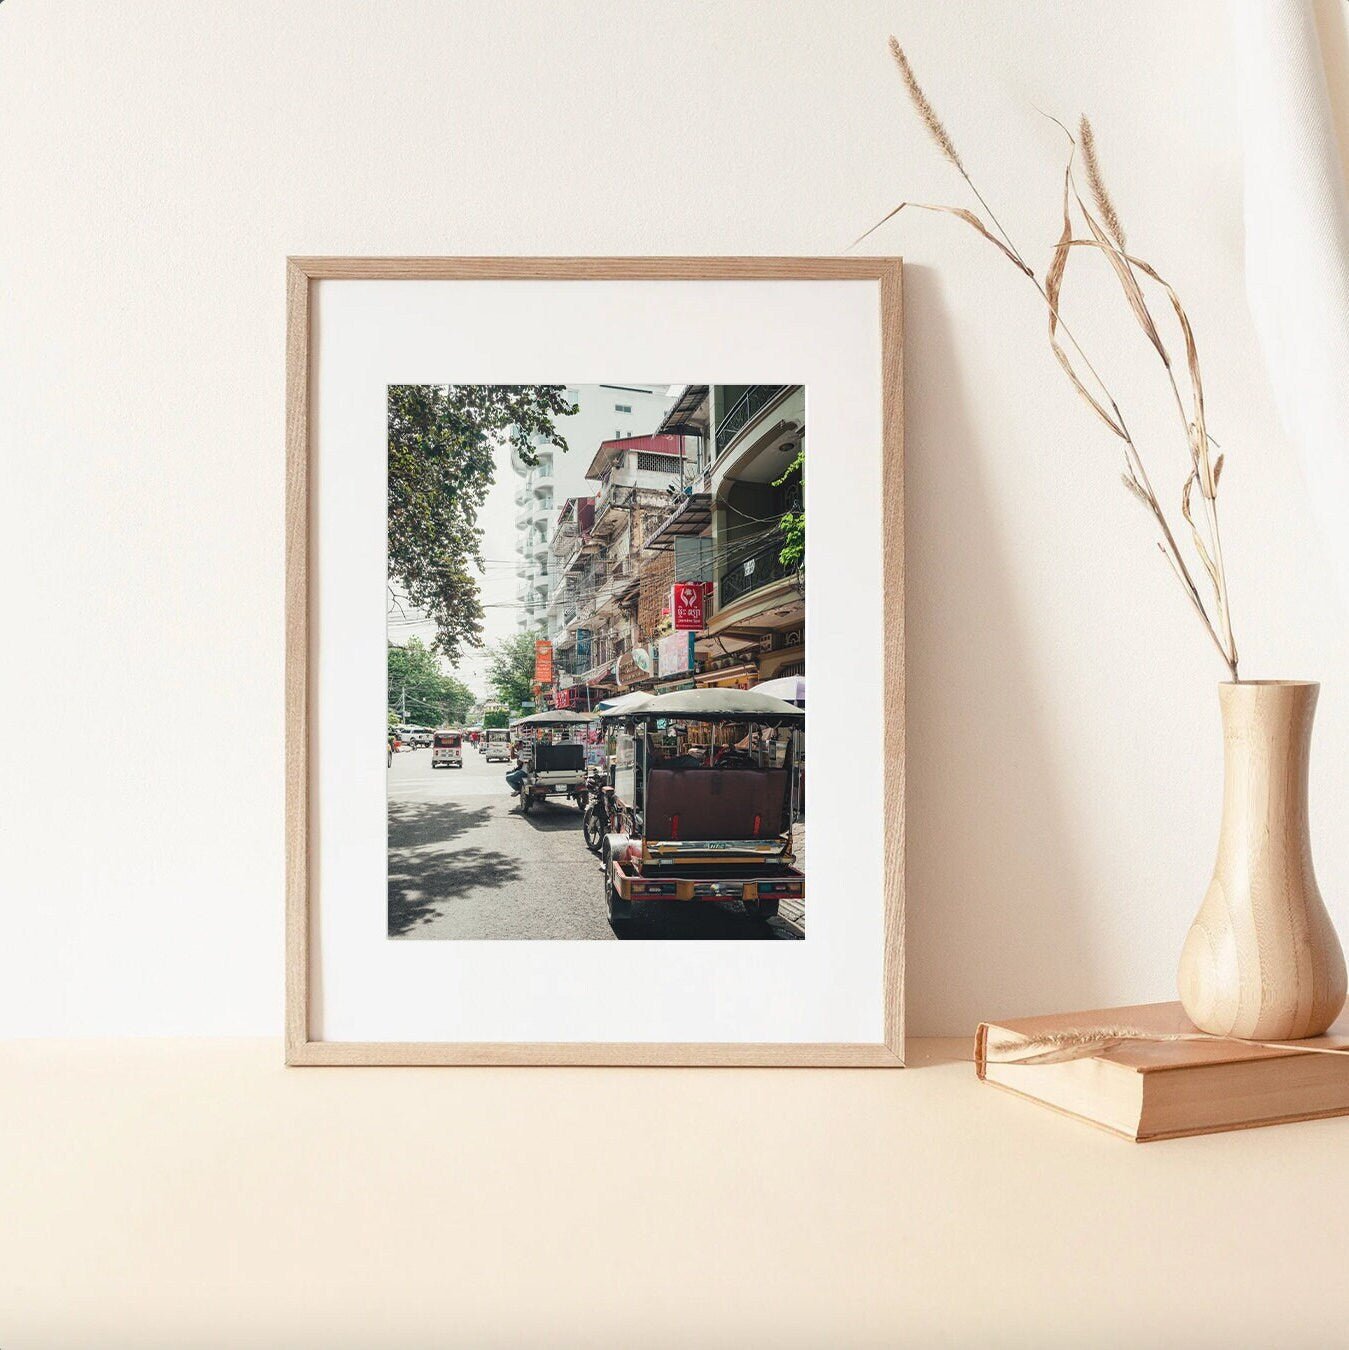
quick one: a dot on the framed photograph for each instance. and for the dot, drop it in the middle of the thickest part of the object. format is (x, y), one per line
(560, 535)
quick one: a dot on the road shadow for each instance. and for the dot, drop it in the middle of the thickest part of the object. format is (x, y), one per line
(563, 816)
(416, 824)
(425, 878)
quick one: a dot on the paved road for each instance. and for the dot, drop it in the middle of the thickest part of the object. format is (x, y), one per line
(464, 863)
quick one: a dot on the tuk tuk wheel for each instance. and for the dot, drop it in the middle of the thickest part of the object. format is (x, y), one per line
(619, 910)
(592, 828)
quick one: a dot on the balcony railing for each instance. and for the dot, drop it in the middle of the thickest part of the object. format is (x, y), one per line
(752, 402)
(611, 494)
(761, 568)
(603, 655)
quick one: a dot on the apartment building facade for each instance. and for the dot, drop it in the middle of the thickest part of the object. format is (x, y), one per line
(604, 412)
(700, 500)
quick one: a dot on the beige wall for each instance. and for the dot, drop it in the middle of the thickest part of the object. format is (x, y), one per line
(165, 158)
(159, 161)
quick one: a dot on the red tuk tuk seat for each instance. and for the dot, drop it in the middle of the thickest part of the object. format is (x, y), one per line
(716, 804)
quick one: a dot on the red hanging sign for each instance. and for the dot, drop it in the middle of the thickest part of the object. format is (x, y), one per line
(686, 606)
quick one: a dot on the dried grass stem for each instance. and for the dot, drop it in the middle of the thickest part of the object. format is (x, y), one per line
(1109, 238)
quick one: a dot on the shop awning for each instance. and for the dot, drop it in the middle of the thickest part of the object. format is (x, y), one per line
(691, 515)
(680, 418)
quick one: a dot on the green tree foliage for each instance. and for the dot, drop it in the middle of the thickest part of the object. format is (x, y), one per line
(495, 719)
(416, 682)
(442, 440)
(793, 523)
(510, 669)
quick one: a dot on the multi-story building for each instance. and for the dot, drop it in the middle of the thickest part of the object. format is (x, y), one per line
(592, 615)
(605, 412)
(725, 531)
(700, 500)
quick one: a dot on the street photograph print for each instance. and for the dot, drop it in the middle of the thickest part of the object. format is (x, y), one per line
(596, 661)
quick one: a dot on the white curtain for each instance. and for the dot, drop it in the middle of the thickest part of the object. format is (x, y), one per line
(1297, 247)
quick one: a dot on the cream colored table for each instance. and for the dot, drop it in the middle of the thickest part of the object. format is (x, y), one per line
(196, 1193)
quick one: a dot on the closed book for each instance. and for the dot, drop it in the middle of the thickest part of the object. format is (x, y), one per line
(1159, 1089)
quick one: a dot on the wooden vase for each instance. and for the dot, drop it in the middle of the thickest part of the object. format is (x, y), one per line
(1262, 960)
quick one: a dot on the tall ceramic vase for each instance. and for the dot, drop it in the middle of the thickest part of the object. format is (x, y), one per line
(1262, 960)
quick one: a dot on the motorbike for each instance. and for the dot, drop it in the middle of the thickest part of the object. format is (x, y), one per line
(598, 812)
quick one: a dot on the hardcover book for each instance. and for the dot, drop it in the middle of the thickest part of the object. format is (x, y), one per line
(1163, 1089)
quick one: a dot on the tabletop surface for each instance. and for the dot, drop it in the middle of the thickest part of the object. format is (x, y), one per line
(197, 1193)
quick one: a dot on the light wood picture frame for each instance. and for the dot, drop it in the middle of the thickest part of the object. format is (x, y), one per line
(301, 1047)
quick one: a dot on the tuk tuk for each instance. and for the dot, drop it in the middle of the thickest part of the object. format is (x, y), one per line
(552, 752)
(496, 743)
(703, 803)
(447, 750)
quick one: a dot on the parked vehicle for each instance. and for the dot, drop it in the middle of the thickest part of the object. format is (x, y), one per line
(420, 737)
(497, 744)
(447, 750)
(598, 813)
(702, 805)
(551, 748)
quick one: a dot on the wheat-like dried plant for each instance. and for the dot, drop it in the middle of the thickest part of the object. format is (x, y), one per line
(1107, 238)
(1105, 208)
(925, 109)
(1057, 1047)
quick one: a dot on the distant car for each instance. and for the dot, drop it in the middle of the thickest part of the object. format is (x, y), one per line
(419, 737)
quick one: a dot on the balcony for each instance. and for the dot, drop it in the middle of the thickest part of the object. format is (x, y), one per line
(603, 654)
(762, 568)
(750, 404)
(616, 583)
(578, 556)
(611, 504)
